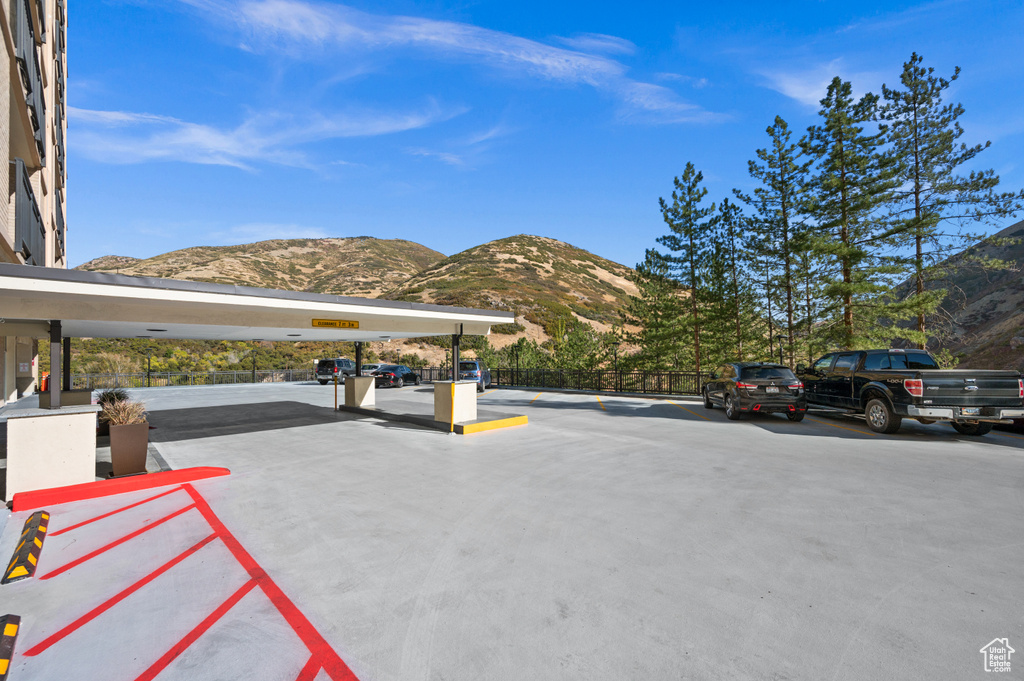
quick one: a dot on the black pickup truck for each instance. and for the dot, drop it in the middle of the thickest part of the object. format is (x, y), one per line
(890, 385)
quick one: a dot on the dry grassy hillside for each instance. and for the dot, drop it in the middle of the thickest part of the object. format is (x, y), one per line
(358, 266)
(538, 278)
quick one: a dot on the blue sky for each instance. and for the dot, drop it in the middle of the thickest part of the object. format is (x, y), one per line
(216, 122)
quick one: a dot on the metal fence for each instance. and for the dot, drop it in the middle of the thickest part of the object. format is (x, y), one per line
(644, 382)
(169, 378)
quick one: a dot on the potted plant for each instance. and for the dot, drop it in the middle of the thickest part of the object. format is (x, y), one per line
(129, 436)
(103, 399)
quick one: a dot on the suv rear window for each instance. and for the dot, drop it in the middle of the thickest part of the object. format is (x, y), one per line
(766, 373)
(467, 366)
(325, 364)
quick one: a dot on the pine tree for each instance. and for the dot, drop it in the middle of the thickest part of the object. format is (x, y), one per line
(657, 311)
(733, 231)
(852, 181)
(923, 132)
(779, 202)
(686, 217)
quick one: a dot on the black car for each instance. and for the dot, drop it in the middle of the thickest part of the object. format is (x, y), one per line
(395, 375)
(756, 388)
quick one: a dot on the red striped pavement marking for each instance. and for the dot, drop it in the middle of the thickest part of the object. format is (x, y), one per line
(114, 600)
(118, 542)
(322, 654)
(24, 501)
(310, 671)
(193, 636)
(317, 645)
(115, 512)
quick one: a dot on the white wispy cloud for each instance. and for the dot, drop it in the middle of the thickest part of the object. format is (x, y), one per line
(443, 156)
(295, 27)
(809, 86)
(693, 82)
(127, 137)
(599, 42)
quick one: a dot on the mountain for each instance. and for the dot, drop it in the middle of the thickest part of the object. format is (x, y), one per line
(983, 312)
(539, 278)
(357, 266)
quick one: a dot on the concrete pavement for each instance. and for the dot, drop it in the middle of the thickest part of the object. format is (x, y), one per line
(610, 538)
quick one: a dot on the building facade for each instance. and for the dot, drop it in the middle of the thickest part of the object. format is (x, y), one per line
(33, 127)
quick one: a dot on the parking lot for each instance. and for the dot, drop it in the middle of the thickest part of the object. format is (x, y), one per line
(612, 537)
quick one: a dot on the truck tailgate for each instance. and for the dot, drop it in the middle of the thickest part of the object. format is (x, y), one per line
(971, 388)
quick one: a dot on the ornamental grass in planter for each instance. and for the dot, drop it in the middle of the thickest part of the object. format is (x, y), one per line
(103, 399)
(129, 436)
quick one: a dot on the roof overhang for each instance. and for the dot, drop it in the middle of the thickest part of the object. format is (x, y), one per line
(100, 305)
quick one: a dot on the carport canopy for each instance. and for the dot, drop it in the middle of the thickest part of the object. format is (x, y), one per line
(102, 305)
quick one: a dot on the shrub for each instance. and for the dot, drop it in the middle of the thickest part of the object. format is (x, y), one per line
(112, 395)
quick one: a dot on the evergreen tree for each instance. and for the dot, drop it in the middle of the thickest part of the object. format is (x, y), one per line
(689, 228)
(657, 311)
(779, 202)
(732, 231)
(851, 182)
(923, 132)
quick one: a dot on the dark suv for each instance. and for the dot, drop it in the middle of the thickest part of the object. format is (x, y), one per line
(340, 367)
(475, 370)
(755, 388)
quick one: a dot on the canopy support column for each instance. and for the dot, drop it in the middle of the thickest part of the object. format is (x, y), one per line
(456, 339)
(55, 346)
(67, 363)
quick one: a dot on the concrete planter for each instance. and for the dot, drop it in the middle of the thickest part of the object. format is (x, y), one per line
(128, 448)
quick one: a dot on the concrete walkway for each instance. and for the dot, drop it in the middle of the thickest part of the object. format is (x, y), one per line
(610, 538)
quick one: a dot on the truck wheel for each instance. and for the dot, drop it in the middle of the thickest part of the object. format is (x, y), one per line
(732, 412)
(880, 417)
(975, 429)
(795, 416)
(322, 381)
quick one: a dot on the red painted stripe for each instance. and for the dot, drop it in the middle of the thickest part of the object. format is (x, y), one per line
(114, 600)
(24, 501)
(309, 672)
(107, 515)
(192, 636)
(317, 645)
(136, 533)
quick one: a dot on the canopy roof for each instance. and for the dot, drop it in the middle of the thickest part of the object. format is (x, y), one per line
(100, 305)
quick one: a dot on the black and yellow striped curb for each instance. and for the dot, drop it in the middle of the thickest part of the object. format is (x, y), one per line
(9, 625)
(26, 556)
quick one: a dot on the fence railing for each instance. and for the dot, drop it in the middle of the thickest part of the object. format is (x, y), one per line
(644, 382)
(157, 379)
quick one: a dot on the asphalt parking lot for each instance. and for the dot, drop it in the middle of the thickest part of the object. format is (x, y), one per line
(612, 537)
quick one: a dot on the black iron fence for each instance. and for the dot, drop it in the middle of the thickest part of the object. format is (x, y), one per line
(644, 382)
(157, 379)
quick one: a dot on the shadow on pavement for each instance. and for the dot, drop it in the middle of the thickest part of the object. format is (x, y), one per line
(173, 425)
(818, 424)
